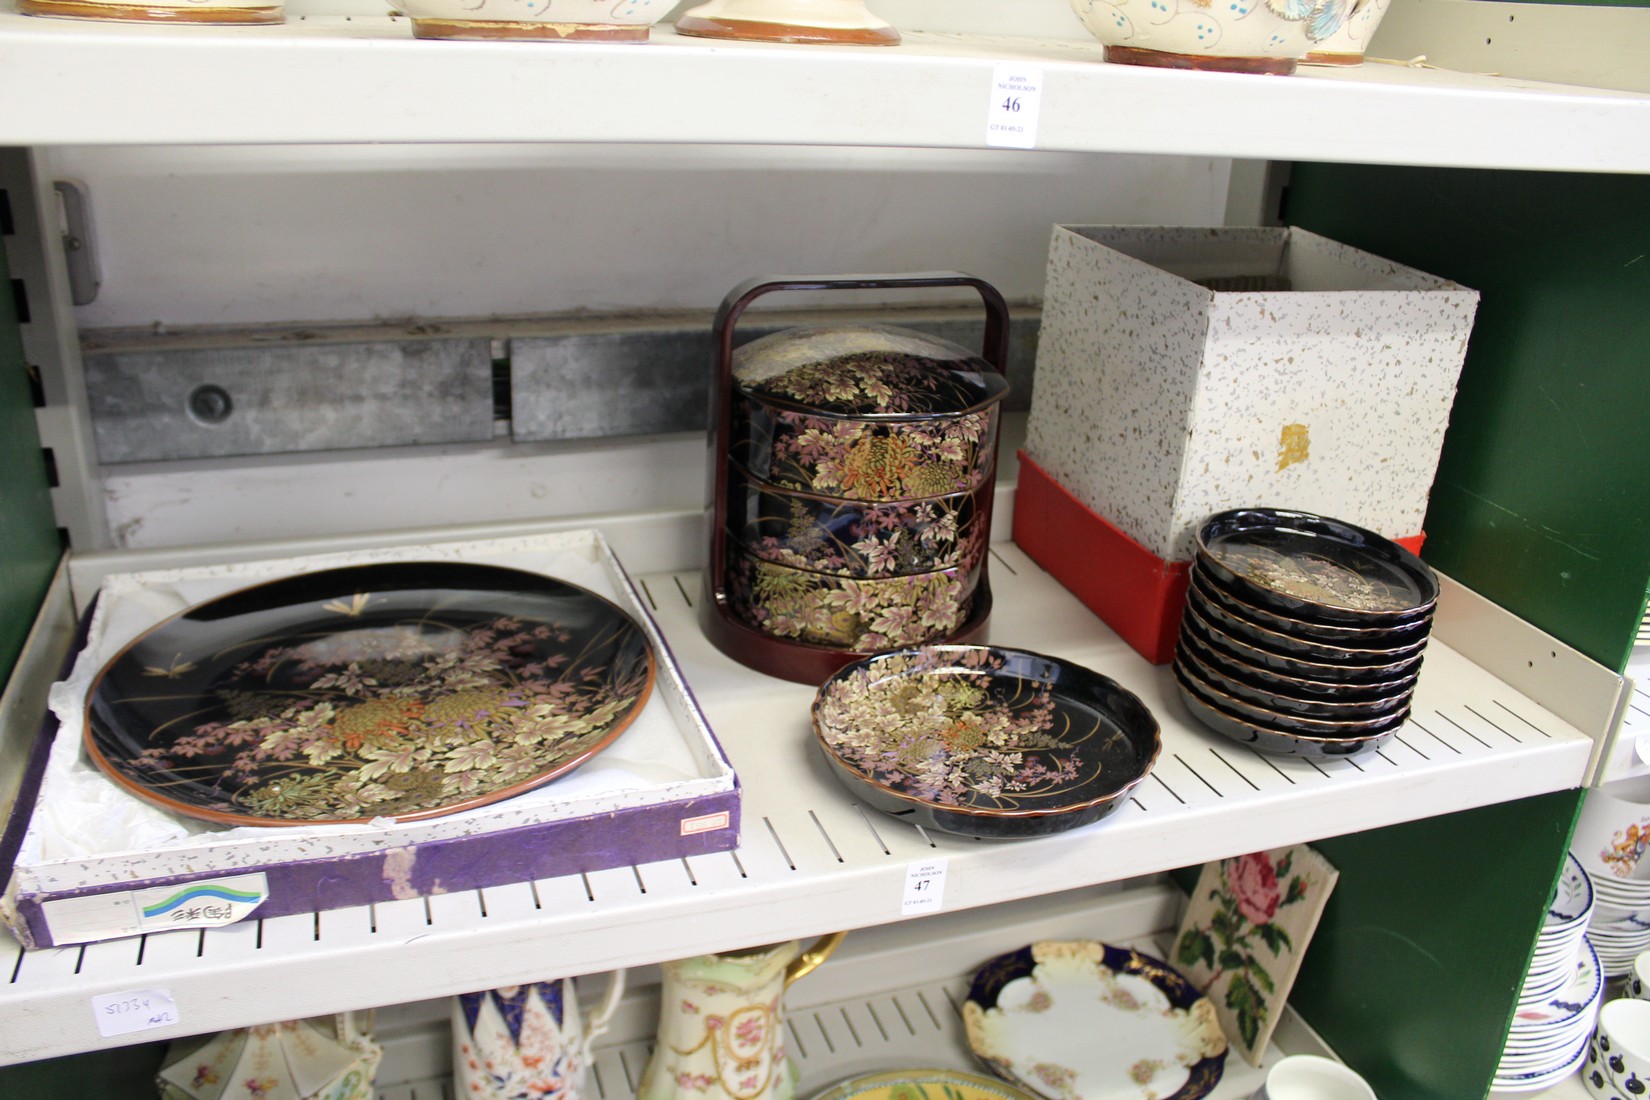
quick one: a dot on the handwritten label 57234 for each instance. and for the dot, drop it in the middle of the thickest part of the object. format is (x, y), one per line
(134, 1010)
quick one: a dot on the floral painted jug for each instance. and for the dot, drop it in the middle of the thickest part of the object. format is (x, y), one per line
(526, 1042)
(321, 1059)
(721, 1033)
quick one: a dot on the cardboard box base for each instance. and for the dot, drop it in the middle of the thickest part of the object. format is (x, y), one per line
(1136, 593)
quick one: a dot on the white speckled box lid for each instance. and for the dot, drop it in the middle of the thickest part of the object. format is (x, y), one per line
(1176, 378)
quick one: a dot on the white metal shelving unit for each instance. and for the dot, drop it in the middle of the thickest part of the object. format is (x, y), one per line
(812, 859)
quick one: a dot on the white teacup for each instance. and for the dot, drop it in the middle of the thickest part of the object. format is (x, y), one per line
(1308, 1077)
(1618, 1055)
(1638, 978)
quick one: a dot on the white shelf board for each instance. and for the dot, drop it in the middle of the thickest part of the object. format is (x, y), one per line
(811, 859)
(363, 78)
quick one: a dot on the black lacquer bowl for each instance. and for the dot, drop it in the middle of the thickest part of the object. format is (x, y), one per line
(402, 690)
(1363, 636)
(1269, 682)
(984, 741)
(855, 538)
(1315, 568)
(864, 412)
(1303, 644)
(1208, 671)
(1362, 671)
(1284, 742)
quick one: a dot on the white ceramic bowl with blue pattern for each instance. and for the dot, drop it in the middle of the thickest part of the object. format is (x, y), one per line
(1249, 36)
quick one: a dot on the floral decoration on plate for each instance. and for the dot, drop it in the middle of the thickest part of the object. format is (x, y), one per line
(1080, 1020)
(405, 690)
(1321, 565)
(983, 732)
(1572, 895)
(922, 1084)
(1245, 931)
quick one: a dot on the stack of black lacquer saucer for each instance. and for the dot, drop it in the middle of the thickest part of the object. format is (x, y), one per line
(1302, 634)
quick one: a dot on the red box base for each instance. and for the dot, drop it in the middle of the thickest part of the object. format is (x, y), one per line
(1136, 593)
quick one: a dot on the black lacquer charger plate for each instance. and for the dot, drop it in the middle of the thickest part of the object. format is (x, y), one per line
(403, 690)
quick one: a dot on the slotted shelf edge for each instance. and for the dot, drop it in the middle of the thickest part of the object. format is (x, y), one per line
(811, 858)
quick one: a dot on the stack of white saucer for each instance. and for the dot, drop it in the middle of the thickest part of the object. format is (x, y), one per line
(1561, 994)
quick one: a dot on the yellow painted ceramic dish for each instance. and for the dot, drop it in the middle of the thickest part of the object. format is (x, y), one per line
(922, 1084)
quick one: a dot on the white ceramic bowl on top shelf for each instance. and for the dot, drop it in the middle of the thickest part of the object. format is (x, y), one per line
(536, 20)
(819, 22)
(1246, 36)
(207, 12)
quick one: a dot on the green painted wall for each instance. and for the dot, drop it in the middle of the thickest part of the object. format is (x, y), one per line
(1415, 969)
(1542, 500)
(29, 543)
(1542, 503)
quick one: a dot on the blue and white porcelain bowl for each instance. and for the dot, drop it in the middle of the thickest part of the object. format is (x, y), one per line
(1247, 36)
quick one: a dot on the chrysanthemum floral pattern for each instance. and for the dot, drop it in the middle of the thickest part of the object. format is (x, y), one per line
(861, 615)
(872, 425)
(854, 538)
(863, 460)
(373, 708)
(941, 726)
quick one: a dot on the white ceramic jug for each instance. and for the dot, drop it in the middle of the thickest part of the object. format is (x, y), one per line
(526, 1042)
(721, 1033)
(322, 1059)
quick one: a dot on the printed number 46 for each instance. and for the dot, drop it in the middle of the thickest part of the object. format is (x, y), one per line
(1011, 104)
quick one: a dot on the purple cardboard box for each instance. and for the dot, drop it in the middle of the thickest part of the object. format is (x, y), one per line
(95, 863)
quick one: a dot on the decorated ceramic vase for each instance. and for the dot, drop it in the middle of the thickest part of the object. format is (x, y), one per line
(323, 1059)
(1248, 36)
(537, 20)
(843, 22)
(526, 1042)
(721, 1025)
(159, 11)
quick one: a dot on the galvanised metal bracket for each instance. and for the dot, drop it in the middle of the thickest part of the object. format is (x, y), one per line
(79, 245)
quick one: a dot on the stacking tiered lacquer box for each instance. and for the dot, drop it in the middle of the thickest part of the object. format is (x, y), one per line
(851, 476)
(1185, 371)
